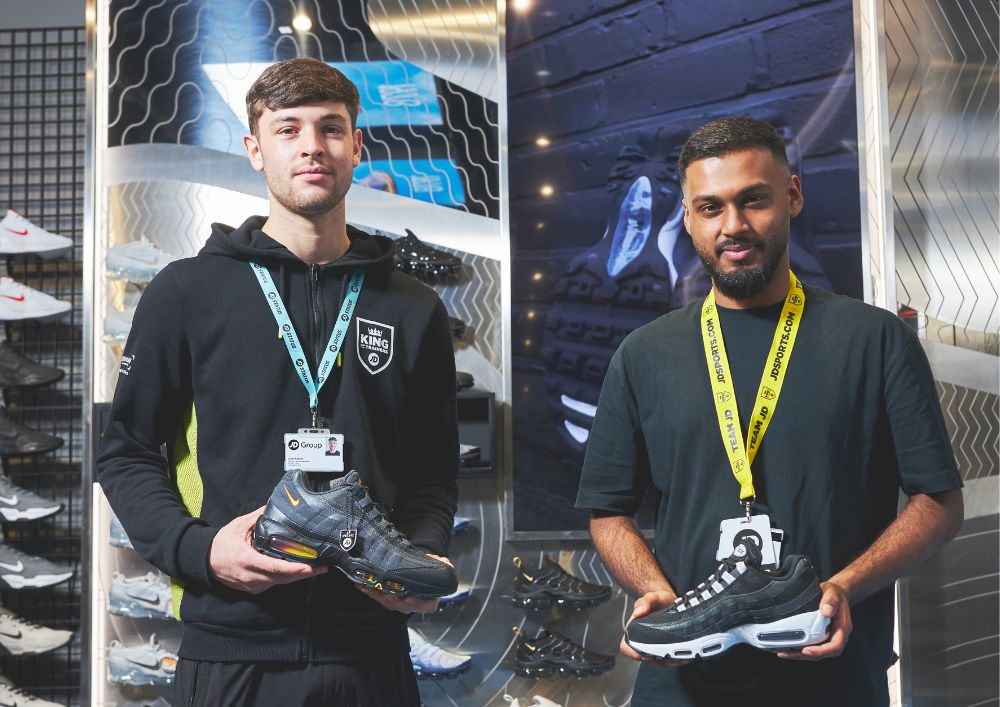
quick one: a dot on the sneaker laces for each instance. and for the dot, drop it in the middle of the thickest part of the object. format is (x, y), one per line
(728, 564)
(378, 516)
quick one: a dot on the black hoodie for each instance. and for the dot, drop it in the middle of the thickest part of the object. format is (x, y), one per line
(205, 374)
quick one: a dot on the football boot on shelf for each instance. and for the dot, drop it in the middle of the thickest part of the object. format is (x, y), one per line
(738, 603)
(17, 503)
(13, 696)
(18, 302)
(423, 261)
(142, 664)
(18, 235)
(117, 537)
(145, 597)
(17, 370)
(137, 262)
(20, 637)
(550, 585)
(337, 523)
(19, 570)
(429, 661)
(16, 438)
(548, 654)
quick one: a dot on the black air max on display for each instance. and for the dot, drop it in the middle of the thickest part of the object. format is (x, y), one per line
(550, 585)
(424, 262)
(739, 603)
(16, 370)
(338, 524)
(16, 438)
(549, 654)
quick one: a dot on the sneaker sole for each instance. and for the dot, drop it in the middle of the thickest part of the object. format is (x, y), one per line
(792, 632)
(138, 677)
(547, 671)
(13, 514)
(136, 610)
(16, 581)
(545, 601)
(359, 571)
(441, 675)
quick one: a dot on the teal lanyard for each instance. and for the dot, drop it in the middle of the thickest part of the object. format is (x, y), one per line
(291, 339)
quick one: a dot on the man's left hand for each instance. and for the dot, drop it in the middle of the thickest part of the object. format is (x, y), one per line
(836, 605)
(404, 605)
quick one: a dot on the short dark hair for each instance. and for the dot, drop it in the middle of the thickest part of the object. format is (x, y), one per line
(298, 81)
(727, 135)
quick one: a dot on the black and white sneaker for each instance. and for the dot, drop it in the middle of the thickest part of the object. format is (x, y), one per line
(337, 523)
(548, 653)
(17, 503)
(16, 438)
(551, 585)
(739, 603)
(19, 570)
(16, 370)
(424, 262)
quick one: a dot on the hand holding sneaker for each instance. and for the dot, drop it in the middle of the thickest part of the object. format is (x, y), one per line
(645, 605)
(404, 605)
(233, 561)
(836, 606)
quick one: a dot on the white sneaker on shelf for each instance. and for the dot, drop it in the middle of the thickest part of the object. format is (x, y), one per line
(137, 262)
(536, 701)
(18, 301)
(117, 325)
(19, 235)
(13, 696)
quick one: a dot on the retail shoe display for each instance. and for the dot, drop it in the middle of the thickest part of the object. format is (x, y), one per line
(18, 235)
(16, 438)
(18, 301)
(460, 524)
(550, 585)
(469, 454)
(17, 503)
(548, 653)
(338, 524)
(19, 570)
(138, 261)
(145, 597)
(536, 701)
(424, 262)
(17, 370)
(117, 325)
(739, 603)
(456, 597)
(13, 696)
(20, 637)
(458, 327)
(463, 380)
(116, 534)
(429, 661)
(142, 664)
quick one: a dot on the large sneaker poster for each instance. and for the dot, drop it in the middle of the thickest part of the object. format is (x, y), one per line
(601, 96)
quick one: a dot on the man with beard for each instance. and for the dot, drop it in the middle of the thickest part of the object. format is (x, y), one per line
(852, 416)
(211, 378)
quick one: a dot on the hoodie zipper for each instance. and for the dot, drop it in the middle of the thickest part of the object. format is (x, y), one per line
(317, 314)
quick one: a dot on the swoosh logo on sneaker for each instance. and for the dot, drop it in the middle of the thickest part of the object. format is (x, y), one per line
(17, 233)
(15, 634)
(294, 501)
(19, 298)
(153, 664)
(12, 501)
(13, 568)
(153, 602)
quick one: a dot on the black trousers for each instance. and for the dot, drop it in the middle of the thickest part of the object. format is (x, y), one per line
(382, 681)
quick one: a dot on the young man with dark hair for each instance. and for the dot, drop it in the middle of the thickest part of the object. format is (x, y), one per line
(852, 416)
(210, 366)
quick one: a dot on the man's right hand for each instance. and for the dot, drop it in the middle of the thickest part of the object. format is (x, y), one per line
(645, 605)
(233, 561)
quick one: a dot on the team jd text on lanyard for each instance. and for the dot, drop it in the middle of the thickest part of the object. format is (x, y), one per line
(724, 394)
(291, 339)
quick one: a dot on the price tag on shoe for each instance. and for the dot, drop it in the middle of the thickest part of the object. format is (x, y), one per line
(314, 450)
(758, 528)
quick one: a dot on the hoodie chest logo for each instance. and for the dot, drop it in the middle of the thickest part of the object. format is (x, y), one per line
(374, 344)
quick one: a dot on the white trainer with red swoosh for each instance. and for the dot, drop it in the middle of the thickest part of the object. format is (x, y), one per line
(18, 235)
(18, 301)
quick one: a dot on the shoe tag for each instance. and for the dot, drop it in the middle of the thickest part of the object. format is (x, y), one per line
(733, 530)
(314, 450)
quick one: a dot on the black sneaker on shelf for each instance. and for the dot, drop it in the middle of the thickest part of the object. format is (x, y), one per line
(16, 438)
(458, 327)
(548, 653)
(338, 524)
(463, 380)
(17, 370)
(739, 603)
(469, 454)
(424, 262)
(550, 585)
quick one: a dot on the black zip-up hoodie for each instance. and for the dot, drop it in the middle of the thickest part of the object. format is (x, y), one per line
(204, 373)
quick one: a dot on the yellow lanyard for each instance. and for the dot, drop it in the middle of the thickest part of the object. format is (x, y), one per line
(771, 380)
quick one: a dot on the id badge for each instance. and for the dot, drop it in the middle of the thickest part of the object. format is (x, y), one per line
(758, 528)
(314, 450)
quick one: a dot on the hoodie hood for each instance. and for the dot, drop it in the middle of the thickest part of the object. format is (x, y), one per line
(248, 242)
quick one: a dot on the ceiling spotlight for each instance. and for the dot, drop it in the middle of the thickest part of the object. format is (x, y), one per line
(520, 5)
(543, 142)
(537, 277)
(302, 23)
(542, 73)
(547, 190)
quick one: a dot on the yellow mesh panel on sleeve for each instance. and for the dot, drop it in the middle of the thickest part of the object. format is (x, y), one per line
(189, 485)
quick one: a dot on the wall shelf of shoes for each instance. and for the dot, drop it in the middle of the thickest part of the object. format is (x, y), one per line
(41, 360)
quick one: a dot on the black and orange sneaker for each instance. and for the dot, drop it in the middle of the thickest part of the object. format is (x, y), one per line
(335, 522)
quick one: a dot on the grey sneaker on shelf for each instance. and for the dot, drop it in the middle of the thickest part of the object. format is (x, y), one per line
(19, 570)
(145, 597)
(142, 664)
(17, 503)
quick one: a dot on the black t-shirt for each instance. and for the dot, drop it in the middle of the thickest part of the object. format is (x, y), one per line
(858, 418)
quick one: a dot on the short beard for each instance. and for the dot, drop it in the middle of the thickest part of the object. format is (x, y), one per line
(744, 283)
(313, 207)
